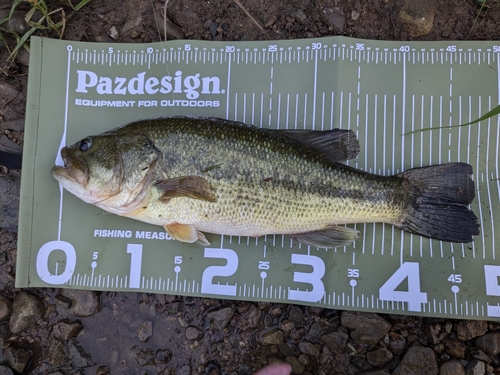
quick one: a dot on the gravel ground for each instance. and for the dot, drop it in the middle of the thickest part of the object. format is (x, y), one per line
(54, 331)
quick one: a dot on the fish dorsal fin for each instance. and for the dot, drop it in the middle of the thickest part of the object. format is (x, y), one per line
(337, 145)
(187, 187)
(186, 233)
(331, 237)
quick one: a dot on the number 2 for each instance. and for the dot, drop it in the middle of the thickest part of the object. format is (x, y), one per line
(207, 284)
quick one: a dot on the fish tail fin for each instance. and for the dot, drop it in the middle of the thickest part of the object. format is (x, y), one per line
(440, 196)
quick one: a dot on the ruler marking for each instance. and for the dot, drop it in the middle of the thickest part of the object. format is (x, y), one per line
(261, 109)
(228, 86)
(488, 190)
(315, 84)
(478, 192)
(393, 171)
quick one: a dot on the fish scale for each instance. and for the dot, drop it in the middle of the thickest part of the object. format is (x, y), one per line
(313, 193)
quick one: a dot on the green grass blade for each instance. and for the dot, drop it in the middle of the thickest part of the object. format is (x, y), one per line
(81, 4)
(495, 111)
(3, 20)
(21, 42)
(13, 8)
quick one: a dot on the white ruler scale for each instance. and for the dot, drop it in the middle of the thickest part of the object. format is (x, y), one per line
(380, 90)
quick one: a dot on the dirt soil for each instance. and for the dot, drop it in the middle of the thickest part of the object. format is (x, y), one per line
(49, 331)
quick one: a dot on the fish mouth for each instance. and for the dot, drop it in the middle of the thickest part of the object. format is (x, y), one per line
(74, 169)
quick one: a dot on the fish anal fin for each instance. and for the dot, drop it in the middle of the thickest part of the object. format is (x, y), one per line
(332, 236)
(186, 233)
(338, 145)
(194, 187)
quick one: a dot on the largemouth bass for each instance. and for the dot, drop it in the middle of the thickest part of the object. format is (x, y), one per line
(193, 175)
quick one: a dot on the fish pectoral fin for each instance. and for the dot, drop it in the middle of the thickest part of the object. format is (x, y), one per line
(187, 187)
(186, 233)
(331, 237)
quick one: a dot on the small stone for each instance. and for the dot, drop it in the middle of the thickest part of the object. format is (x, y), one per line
(113, 33)
(253, 316)
(273, 337)
(308, 348)
(288, 349)
(336, 341)
(79, 357)
(299, 16)
(83, 302)
(454, 347)
(489, 343)
(468, 329)
(23, 56)
(4, 370)
(17, 23)
(184, 370)
(144, 357)
(439, 348)
(433, 333)
(207, 24)
(452, 367)
(417, 361)
(297, 367)
(304, 359)
(63, 301)
(448, 326)
(335, 18)
(479, 354)
(418, 16)
(163, 356)
(26, 310)
(193, 333)
(276, 311)
(296, 315)
(355, 15)
(131, 24)
(7, 91)
(379, 357)
(368, 328)
(243, 307)
(475, 367)
(64, 330)
(18, 359)
(220, 319)
(55, 353)
(145, 331)
(102, 370)
(316, 330)
(397, 344)
(213, 29)
(5, 308)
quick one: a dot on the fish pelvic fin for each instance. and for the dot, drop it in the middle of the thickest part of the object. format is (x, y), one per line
(194, 187)
(327, 238)
(186, 233)
(440, 196)
(337, 145)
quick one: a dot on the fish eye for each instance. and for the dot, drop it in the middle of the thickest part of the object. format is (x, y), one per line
(85, 144)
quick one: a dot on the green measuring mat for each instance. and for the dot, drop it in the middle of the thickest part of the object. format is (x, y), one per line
(381, 90)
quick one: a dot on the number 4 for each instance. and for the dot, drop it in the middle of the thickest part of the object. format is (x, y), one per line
(413, 295)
